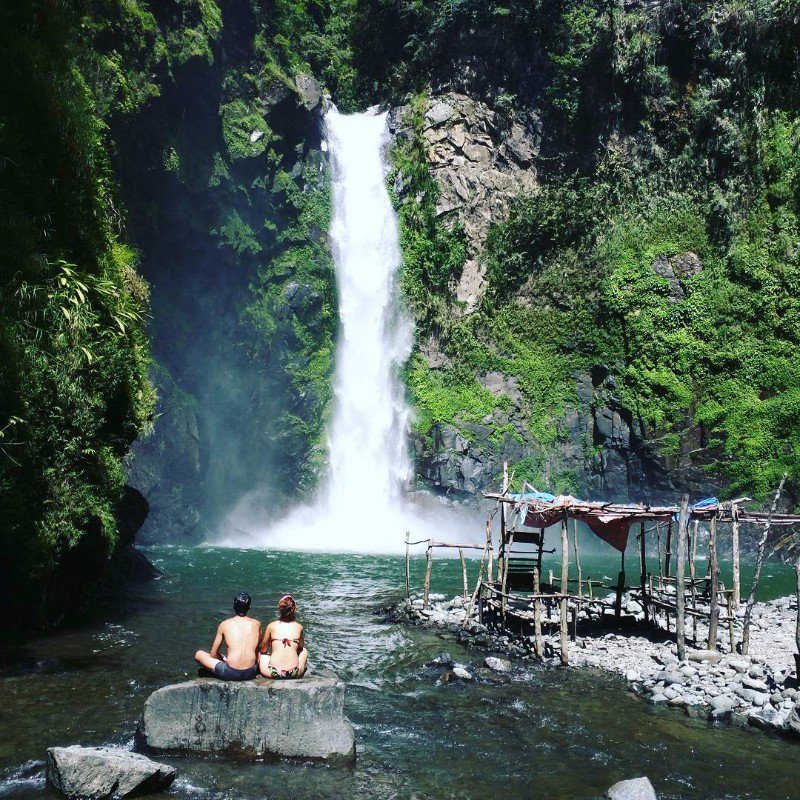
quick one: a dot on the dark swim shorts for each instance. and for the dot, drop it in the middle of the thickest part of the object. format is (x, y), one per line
(226, 673)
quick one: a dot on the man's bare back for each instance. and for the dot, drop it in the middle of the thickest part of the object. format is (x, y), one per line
(240, 635)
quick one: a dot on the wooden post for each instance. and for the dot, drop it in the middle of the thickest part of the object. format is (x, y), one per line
(489, 546)
(731, 634)
(574, 614)
(737, 584)
(539, 553)
(620, 587)
(643, 579)
(692, 548)
(762, 544)
(463, 571)
(408, 569)
(476, 592)
(797, 618)
(537, 616)
(713, 615)
(577, 557)
(668, 554)
(683, 523)
(550, 578)
(501, 556)
(589, 586)
(564, 589)
(504, 584)
(660, 570)
(426, 591)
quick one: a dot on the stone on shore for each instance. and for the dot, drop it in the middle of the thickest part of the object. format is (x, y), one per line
(302, 718)
(497, 664)
(103, 773)
(635, 789)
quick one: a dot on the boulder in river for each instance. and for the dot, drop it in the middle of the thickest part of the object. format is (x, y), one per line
(104, 773)
(635, 789)
(302, 718)
(497, 664)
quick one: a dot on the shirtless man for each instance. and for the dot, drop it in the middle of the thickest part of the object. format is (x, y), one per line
(240, 635)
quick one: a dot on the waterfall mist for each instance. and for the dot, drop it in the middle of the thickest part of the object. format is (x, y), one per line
(363, 504)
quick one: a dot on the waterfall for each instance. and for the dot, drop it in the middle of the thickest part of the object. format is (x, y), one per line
(367, 442)
(362, 505)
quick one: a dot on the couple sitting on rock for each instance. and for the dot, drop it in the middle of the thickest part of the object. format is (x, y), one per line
(280, 653)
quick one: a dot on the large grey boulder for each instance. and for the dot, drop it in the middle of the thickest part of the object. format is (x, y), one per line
(301, 718)
(103, 773)
(635, 789)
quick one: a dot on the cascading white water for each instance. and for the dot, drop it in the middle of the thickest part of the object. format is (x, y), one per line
(362, 506)
(368, 451)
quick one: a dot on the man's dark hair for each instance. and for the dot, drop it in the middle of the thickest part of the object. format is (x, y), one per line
(241, 604)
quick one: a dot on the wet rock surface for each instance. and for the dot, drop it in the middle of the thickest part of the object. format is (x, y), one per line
(634, 789)
(479, 159)
(104, 773)
(166, 466)
(759, 690)
(301, 718)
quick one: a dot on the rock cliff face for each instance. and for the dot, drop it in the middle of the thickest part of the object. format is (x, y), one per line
(166, 466)
(479, 159)
(483, 157)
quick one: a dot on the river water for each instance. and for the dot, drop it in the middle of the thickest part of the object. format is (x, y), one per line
(547, 732)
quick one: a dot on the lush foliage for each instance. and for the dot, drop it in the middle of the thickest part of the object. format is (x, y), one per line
(670, 143)
(73, 388)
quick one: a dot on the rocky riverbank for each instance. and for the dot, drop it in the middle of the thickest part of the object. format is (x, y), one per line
(759, 690)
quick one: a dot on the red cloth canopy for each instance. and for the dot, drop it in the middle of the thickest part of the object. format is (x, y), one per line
(611, 528)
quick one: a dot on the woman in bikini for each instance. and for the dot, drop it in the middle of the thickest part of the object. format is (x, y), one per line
(282, 652)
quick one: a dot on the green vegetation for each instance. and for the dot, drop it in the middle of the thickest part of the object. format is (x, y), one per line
(672, 147)
(654, 270)
(73, 386)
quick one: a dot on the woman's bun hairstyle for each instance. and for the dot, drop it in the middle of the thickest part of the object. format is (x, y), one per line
(287, 608)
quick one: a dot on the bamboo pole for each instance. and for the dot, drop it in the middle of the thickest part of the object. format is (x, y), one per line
(463, 571)
(679, 569)
(643, 577)
(797, 618)
(692, 547)
(620, 587)
(577, 557)
(505, 571)
(475, 593)
(539, 553)
(668, 554)
(537, 616)
(489, 550)
(426, 591)
(501, 556)
(762, 544)
(564, 590)
(408, 568)
(660, 571)
(713, 614)
(729, 608)
(737, 587)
